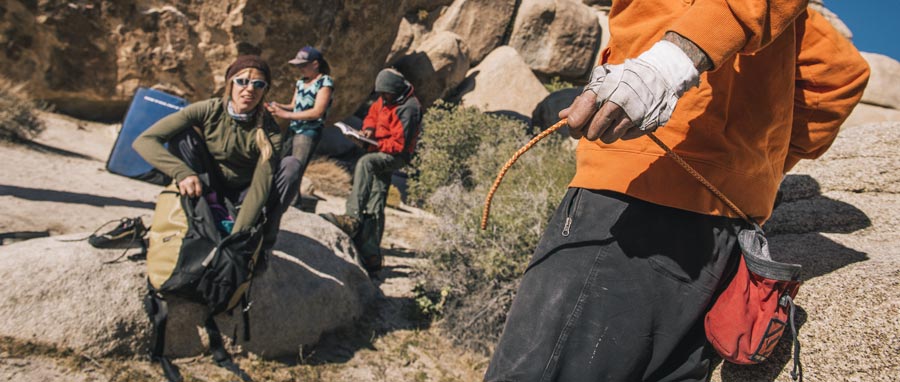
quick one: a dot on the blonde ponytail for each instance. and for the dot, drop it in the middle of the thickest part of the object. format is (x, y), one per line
(262, 140)
(265, 147)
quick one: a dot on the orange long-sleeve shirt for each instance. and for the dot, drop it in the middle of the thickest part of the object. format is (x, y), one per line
(784, 81)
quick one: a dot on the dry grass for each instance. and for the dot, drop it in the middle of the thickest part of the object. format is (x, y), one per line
(394, 198)
(329, 177)
(17, 119)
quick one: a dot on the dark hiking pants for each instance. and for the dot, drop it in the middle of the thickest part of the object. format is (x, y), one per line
(190, 148)
(616, 291)
(371, 181)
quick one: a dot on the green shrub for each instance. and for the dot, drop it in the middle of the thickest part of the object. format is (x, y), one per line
(461, 152)
(451, 137)
(557, 84)
(17, 119)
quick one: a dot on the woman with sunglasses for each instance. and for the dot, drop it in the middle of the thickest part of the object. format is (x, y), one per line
(310, 105)
(232, 139)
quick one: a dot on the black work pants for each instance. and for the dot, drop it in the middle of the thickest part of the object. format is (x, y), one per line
(616, 291)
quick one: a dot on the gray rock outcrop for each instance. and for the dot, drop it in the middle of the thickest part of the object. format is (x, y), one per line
(61, 293)
(482, 24)
(88, 58)
(866, 114)
(503, 83)
(438, 65)
(882, 89)
(556, 37)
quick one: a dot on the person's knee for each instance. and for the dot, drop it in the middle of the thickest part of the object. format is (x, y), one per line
(289, 168)
(365, 165)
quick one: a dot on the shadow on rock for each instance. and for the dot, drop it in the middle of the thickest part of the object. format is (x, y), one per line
(805, 210)
(384, 315)
(44, 195)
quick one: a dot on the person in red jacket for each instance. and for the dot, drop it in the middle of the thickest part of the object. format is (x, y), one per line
(394, 121)
(630, 263)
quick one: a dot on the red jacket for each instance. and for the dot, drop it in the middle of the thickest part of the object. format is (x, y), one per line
(397, 125)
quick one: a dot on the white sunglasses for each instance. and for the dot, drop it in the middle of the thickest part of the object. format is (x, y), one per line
(244, 82)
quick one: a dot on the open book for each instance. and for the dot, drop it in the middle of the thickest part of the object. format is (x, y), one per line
(351, 132)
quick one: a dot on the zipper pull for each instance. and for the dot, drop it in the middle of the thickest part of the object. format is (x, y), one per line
(565, 231)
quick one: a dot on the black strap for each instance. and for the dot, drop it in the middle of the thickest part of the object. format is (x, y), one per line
(219, 354)
(133, 257)
(245, 313)
(216, 345)
(92, 233)
(797, 371)
(158, 312)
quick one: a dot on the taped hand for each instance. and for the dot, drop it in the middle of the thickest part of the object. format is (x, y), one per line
(632, 99)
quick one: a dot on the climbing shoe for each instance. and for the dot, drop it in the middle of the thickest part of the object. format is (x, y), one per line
(128, 233)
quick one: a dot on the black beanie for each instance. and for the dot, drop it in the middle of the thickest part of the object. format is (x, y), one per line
(390, 81)
(244, 62)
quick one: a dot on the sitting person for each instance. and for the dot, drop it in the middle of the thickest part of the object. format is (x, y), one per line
(307, 110)
(233, 140)
(394, 122)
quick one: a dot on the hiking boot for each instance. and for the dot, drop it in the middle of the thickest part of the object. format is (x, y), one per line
(373, 264)
(346, 223)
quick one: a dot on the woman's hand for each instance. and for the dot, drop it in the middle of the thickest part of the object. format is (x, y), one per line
(191, 186)
(275, 109)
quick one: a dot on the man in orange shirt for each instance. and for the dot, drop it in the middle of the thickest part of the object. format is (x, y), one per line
(631, 261)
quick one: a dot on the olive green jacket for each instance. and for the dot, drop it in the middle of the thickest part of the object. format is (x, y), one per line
(231, 144)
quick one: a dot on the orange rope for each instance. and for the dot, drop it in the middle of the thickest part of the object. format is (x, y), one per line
(509, 163)
(551, 129)
(701, 179)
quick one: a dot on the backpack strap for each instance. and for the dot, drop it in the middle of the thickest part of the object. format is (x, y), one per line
(217, 348)
(158, 312)
(216, 345)
(245, 312)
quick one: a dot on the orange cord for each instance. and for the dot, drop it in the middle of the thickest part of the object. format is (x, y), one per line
(509, 163)
(551, 129)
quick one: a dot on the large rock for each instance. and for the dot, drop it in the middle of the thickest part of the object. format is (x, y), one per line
(482, 24)
(503, 83)
(882, 89)
(557, 37)
(863, 159)
(413, 29)
(61, 293)
(437, 66)
(88, 58)
(865, 113)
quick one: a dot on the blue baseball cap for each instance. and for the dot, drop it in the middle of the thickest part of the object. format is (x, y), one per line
(306, 54)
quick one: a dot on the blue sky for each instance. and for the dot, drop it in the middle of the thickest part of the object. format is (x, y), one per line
(874, 24)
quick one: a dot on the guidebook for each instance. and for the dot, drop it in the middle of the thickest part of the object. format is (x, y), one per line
(351, 132)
